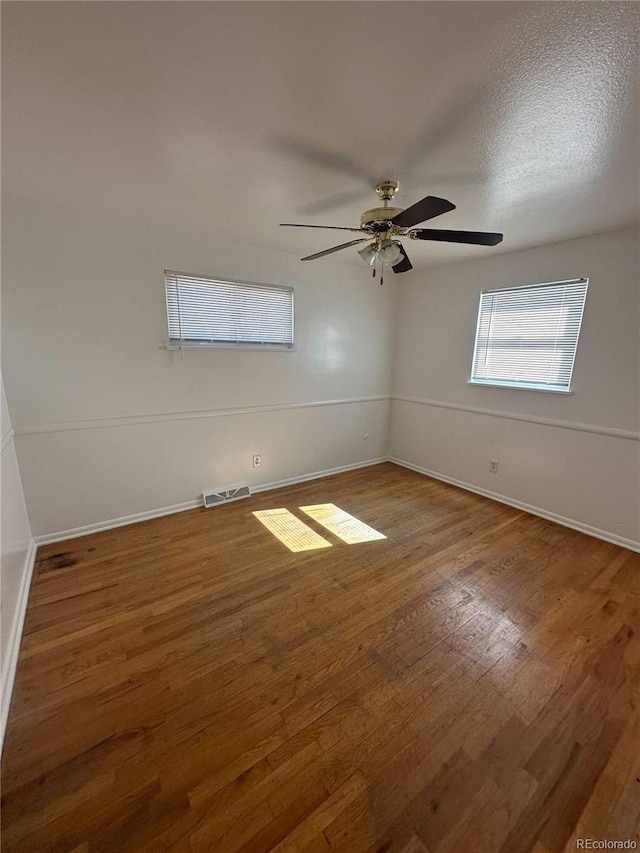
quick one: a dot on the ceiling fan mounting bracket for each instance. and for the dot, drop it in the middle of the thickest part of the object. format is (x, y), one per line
(386, 190)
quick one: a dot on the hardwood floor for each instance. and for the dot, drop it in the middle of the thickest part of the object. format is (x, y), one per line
(470, 683)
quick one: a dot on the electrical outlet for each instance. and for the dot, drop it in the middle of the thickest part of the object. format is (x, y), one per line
(493, 466)
(257, 461)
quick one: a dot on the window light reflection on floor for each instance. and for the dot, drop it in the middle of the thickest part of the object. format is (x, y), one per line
(291, 531)
(351, 530)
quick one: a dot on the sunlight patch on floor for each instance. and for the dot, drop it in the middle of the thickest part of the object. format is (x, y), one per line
(351, 530)
(292, 532)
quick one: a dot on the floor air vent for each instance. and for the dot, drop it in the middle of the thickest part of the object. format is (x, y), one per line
(223, 496)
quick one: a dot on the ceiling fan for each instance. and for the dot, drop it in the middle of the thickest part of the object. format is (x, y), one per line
(382, 225)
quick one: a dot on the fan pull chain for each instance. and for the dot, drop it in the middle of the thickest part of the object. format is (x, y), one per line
(373, 274)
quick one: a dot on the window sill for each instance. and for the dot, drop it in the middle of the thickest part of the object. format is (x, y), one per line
(194, 345)
(516, 386)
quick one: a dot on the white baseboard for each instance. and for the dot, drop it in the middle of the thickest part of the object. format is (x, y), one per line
(109, 524)
(73, 533)
(318, 475)
(13, 645)
(534, 510)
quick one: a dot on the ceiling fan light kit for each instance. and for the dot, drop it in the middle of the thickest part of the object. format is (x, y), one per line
(383, 225)
(368, 254)
(390, 252)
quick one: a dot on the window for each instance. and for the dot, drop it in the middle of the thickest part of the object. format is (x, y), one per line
(215, 312)
(527, 336)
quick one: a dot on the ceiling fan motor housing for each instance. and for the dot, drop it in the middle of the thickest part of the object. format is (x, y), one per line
(378, 218)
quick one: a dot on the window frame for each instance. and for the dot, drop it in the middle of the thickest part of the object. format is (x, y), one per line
(195, 343)
(522, 384)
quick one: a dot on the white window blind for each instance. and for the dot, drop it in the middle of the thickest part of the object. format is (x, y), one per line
(527, 337)
(214, 312)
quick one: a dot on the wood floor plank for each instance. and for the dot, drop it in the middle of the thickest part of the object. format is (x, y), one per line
(189, 684)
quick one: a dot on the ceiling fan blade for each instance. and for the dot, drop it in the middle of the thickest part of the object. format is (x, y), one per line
(478, 238)
(448, 179)
(446, 120)
(334, 249)
(317, 155)
(332, 227)
(404, 264)
(334, 201)
(422, 210)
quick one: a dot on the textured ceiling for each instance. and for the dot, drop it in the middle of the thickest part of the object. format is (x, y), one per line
(232, 117)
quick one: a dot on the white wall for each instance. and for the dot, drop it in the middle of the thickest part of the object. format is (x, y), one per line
(575, 457)
(109, 424)
(16, 563)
